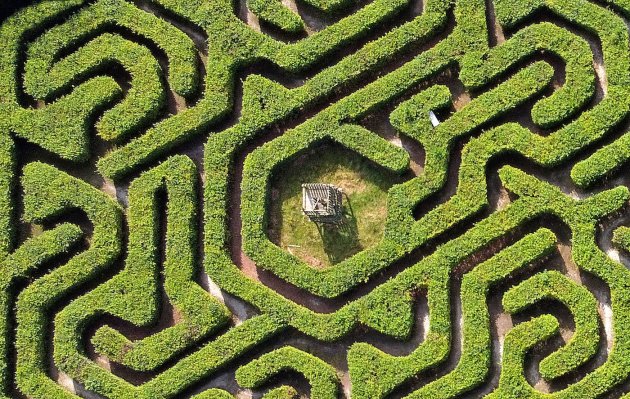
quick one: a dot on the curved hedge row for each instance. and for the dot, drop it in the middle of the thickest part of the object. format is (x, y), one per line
(132, 295)
(49, 192)
(612, 32)
(61, 127)
(581, 304)
(199, 313)
(144, 101)
(90, 22)
(237, 46)
(550, 150)
(375, 374)
(518, 342)
(321, 376)
(29, 257)
(45, 75)
(275, 13)
(579, 86)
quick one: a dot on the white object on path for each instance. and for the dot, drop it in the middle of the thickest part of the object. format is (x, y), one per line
(434, 119)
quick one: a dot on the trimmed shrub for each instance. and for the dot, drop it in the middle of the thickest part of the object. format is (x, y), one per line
(321, 376)
(49, 192)
(139, 298)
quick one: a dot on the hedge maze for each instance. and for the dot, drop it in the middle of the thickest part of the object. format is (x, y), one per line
(140, 139)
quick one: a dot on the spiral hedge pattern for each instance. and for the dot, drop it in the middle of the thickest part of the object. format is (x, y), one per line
(139, 140)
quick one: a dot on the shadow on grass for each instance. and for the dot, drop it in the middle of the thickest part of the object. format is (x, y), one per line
(341, 241)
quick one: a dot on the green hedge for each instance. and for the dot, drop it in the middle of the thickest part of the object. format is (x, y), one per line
(579, 86)
(211, 358)
(213, 394)
(42, 55)
(606, 25)
(220, 148)
(275, 13)
(550, 150)
(611, 30)
(278, 15)
(352, 107)
(134, 295)
(49, 192)
(375, 374)
(283, 392)
(589, 257)
(621, 238)
(320, 375)
(260, 164)
(144, 101)
(238, 46)
(581, 304)
(256, 180)
(7, 188)
(61, 127)
(45, 75)
(16, 267)
(139, 299)
(518, 342)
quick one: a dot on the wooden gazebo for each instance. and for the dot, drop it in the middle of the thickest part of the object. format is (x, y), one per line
(322, 203)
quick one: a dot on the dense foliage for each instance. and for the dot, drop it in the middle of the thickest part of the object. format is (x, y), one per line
(140, 262)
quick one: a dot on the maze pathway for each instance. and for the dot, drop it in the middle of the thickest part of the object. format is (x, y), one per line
(139, 140)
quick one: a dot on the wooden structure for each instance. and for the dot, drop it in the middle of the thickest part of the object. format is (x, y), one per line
(322, 203)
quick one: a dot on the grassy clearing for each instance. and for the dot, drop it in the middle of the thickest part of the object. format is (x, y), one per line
(365, 187)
